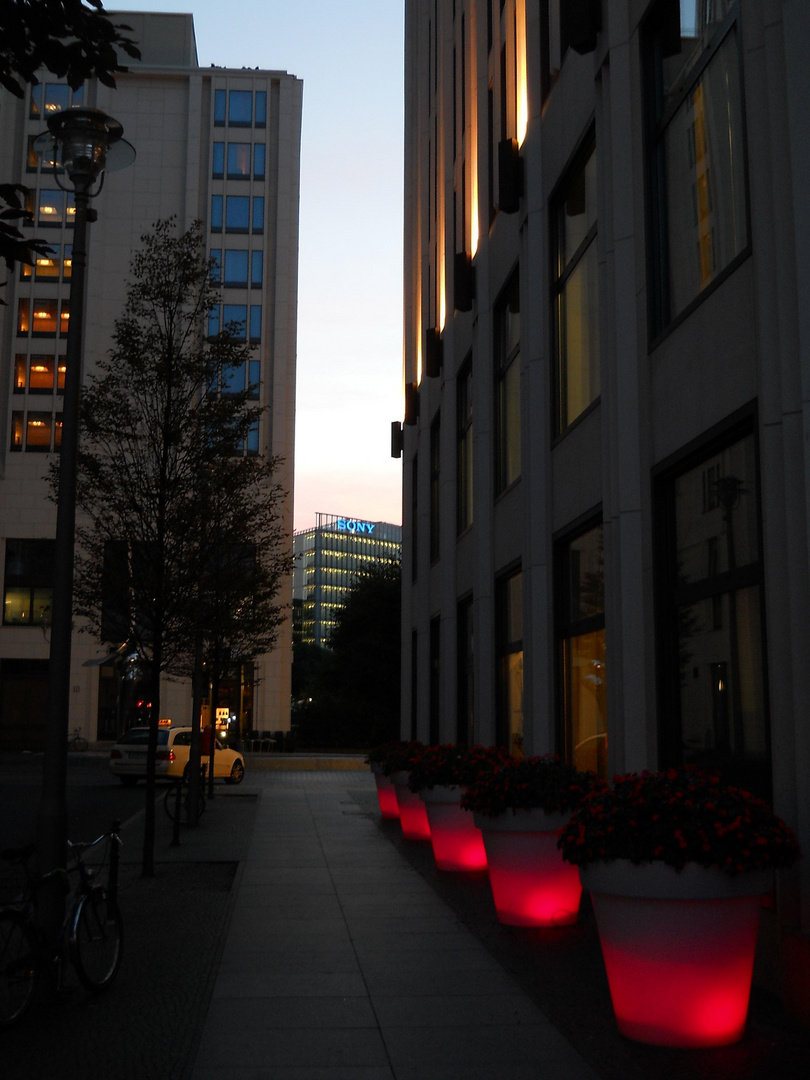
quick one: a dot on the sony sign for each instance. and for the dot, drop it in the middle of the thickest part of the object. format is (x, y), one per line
(352, 526)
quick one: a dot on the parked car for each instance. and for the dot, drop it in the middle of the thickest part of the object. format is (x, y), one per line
(128, 756)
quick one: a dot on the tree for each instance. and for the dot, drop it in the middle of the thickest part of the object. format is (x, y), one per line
(355, 688)
(70, 38)
(180, 546)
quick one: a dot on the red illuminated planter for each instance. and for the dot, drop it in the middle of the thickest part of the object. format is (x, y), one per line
(531, 884)
(678, 948)
(412, 815)
(386, 796)
(457, 842)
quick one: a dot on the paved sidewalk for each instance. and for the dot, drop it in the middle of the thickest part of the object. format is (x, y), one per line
(342, 963)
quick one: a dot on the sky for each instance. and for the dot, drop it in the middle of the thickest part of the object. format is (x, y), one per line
(349, 54)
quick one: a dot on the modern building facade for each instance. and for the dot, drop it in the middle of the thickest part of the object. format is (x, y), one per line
(216, 145)
(607, 375)
(328, 559)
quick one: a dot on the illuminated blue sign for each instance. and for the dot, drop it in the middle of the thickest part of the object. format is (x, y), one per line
(352, 526)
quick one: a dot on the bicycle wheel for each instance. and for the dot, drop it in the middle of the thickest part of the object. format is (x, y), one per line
(18, 965)
(96, 939)
(80, 743)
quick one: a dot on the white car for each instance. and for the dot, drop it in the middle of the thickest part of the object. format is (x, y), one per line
(128, 756)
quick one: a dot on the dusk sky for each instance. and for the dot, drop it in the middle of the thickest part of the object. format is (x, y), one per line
(350, 58)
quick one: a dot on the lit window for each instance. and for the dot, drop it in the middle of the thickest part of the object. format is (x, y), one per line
(28, 582)
(576, 293)
(41, 374)
(51, 208)
(509, 677)
(38, 432)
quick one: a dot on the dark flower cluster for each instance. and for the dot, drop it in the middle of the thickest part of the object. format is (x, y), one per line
(453, 765)
(396, 756)
(544, 783)
(675, 817)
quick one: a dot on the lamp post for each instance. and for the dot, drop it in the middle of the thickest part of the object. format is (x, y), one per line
(85, 143)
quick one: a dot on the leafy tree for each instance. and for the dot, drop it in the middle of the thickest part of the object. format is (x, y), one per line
(355, 688)
(70, 38)
(181, 549)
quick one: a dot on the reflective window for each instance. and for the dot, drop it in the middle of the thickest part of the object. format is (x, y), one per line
(256, 269)
(239, 161)
(216, 213)
(216, 265)
(234, 317)
(507, 419)
(219, 107)
(261, 108)
(236, 268)
(258, 213)
(576, 293)
(259, 155)
(237, 213)
(254, 375)
(255, 323)
(581, 634)
(697, 165)
(715, 605)
(509, 629)
(218, 160)
(240, 108)
(51, 208)
(233, 379)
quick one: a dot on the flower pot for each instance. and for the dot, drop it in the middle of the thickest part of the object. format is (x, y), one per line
(531, 884)
(386, 796)
(412, 816)
(456, 840)
(678, 948)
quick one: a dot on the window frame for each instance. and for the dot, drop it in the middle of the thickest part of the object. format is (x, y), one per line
(507, 369)
(506, 647)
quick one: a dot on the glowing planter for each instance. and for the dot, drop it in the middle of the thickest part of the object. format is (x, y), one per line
(678, 948)
(457, 842)
(412, 816)
(531, 884)
(386, 796)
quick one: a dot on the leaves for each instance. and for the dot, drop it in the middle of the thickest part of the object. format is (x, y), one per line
(545, 783)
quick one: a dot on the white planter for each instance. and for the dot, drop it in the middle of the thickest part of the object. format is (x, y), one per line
(386, 795)
(678, 948)
(457, 843)
(531, 884)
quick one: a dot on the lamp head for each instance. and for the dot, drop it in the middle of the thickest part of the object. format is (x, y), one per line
(86, 143)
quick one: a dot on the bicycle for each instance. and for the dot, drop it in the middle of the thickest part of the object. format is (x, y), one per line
(178, 796)
(77, 741)
(91, 935)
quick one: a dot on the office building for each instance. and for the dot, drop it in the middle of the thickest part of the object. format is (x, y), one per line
(329, 558)
(607, 363)
(217, 145)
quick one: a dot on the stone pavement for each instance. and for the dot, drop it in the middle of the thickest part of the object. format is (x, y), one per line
(297, 936)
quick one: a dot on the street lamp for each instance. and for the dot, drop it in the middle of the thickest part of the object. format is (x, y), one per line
(86, 143)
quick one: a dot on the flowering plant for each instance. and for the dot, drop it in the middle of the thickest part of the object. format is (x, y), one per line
(675, 817)
(395, 756)
(544, 783)
(453, 765)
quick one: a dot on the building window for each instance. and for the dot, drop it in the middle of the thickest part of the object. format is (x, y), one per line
(256, 269)
(215, 256)
(236, 268)
(414, 518)
(239, 161)
(28, 582)
(507, 399)
(261, 108)
(699, 213)
(434, 686)
(216, 213)
(234, 318)
(254, 376)
(576, 292)
(259, 158)
(50, 267)
(50, 98)
(40, 369)
(237, 213)
(255, 326)
(258, 213)
(435, 490)
(232, 379)
(240, 108)
(55, 208)
(42, 318)
(464, 448)
(219, 108)
(218, 161)
(509, 680)
(712, 672)
(581, 637)
(35, 432)
(465, 659)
